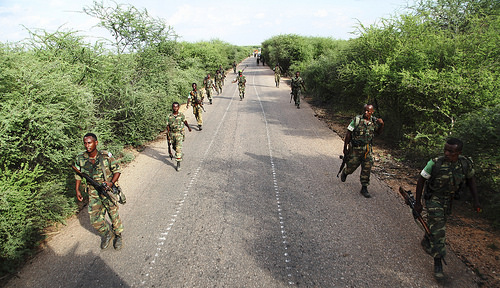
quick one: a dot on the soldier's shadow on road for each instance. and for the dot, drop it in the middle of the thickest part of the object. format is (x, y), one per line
(84, 219)
(70, 270)
(160, 155)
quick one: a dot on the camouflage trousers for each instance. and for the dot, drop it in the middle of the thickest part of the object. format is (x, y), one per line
(437, 210)
(176, 140)
(277, 79)
(218, 86)
(241, 88)
(98, 207)
(359, 156)
(197, 112)
(296, 95)
(208, 91)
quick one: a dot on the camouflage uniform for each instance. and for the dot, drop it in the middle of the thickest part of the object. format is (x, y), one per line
(441, 188)
(297, 83)
(277, 75)
(218, 82)
(241, 85)
(98, 204)
(176, 124)
(196, 101)
(209, 83)
(361, 151)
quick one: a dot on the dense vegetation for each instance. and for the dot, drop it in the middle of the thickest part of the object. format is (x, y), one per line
(55, 87)
(431, 73)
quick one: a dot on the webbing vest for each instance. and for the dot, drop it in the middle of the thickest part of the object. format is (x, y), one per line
(448, 178)
(364, 131)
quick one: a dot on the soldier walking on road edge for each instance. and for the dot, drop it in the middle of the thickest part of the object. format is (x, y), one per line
(358, 146)
(175, 132)
(297, 85)
(103, 168)
(443, 178)
(196, 99)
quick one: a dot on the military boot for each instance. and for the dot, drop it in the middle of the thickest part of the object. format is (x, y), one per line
(178, 168)
(199, 127)
(364, 192)
(118, 243)
(438, 268)
(106, 239)
(343, 176)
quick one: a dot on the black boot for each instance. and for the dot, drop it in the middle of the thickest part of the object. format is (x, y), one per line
(178, 168)
(106, 239)
(118, 243)
(438, 268)
(364, 192)
(343, 176)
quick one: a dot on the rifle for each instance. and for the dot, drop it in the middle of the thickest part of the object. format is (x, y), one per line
(344, 160)
(410, 201)
(170, 149)
(291, 97)
(102, 188)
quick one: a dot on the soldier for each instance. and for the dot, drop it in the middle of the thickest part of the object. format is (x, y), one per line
(218, 82)
(234, 67)
(209, 84)
(221, 69)
(358, 146)
(297, 85)
(241, 84)
(443, 178)
(175, 132)
(196, 99)
(277, 74)
(102, 167)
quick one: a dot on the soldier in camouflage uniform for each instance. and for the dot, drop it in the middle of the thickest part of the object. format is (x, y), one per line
(358, 146)
(175, 131)
(443, 177)
(297, 85)
(218, 82)
(209, 84)
(277, 75)
(93, 162)
(196, 99)
(241, 84)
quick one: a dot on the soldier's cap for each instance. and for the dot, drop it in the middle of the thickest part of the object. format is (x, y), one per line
(240, 71)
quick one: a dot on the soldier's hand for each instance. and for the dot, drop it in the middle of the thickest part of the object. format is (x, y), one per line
(79, 196)
(380, 121)
(418, 207)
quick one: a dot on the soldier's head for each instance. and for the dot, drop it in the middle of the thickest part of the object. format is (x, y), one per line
(240, 72)
(368, 111)
(452, 149)
(175, 107)
(218, 71)
(90, 142)
(297, 74)
(194, 86)
(208, 76)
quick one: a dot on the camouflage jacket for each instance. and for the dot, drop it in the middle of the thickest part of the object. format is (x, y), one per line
(362, 130)
(94, 170)
(176, 122)
(446, 178)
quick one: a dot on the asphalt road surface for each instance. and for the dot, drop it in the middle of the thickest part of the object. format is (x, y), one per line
(256, 204)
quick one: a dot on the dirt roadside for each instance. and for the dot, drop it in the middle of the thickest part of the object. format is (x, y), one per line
(468, 236)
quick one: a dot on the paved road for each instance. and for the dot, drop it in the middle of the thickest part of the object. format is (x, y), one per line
(256, 204)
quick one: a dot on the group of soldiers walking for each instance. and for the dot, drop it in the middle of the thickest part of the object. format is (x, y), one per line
(439, 182)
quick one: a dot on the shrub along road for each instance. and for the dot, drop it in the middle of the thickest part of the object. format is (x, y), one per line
(256, 204)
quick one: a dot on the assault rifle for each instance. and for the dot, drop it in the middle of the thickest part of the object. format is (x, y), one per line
(102, 188)
(170, 149)
(410, 201)
(343, 157)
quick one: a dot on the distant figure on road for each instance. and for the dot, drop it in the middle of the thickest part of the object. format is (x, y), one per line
(175, 132)
(234, 67)
(277, 74)
(358, 146)
(218, 81)
(221, 69)
(297, 86)
(103, 168)
(209, 84)
(443, 178)
(241, 84)
(196, 99)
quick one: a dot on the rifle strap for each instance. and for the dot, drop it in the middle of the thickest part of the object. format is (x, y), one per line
(102, 166)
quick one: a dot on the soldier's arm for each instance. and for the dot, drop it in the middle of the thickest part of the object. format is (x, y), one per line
(187, 125)
(347, 140)
(77, 187)
(418, 194)
(471, 183)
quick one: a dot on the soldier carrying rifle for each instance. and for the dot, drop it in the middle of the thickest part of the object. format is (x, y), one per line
(443, 178)
(196, 99)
